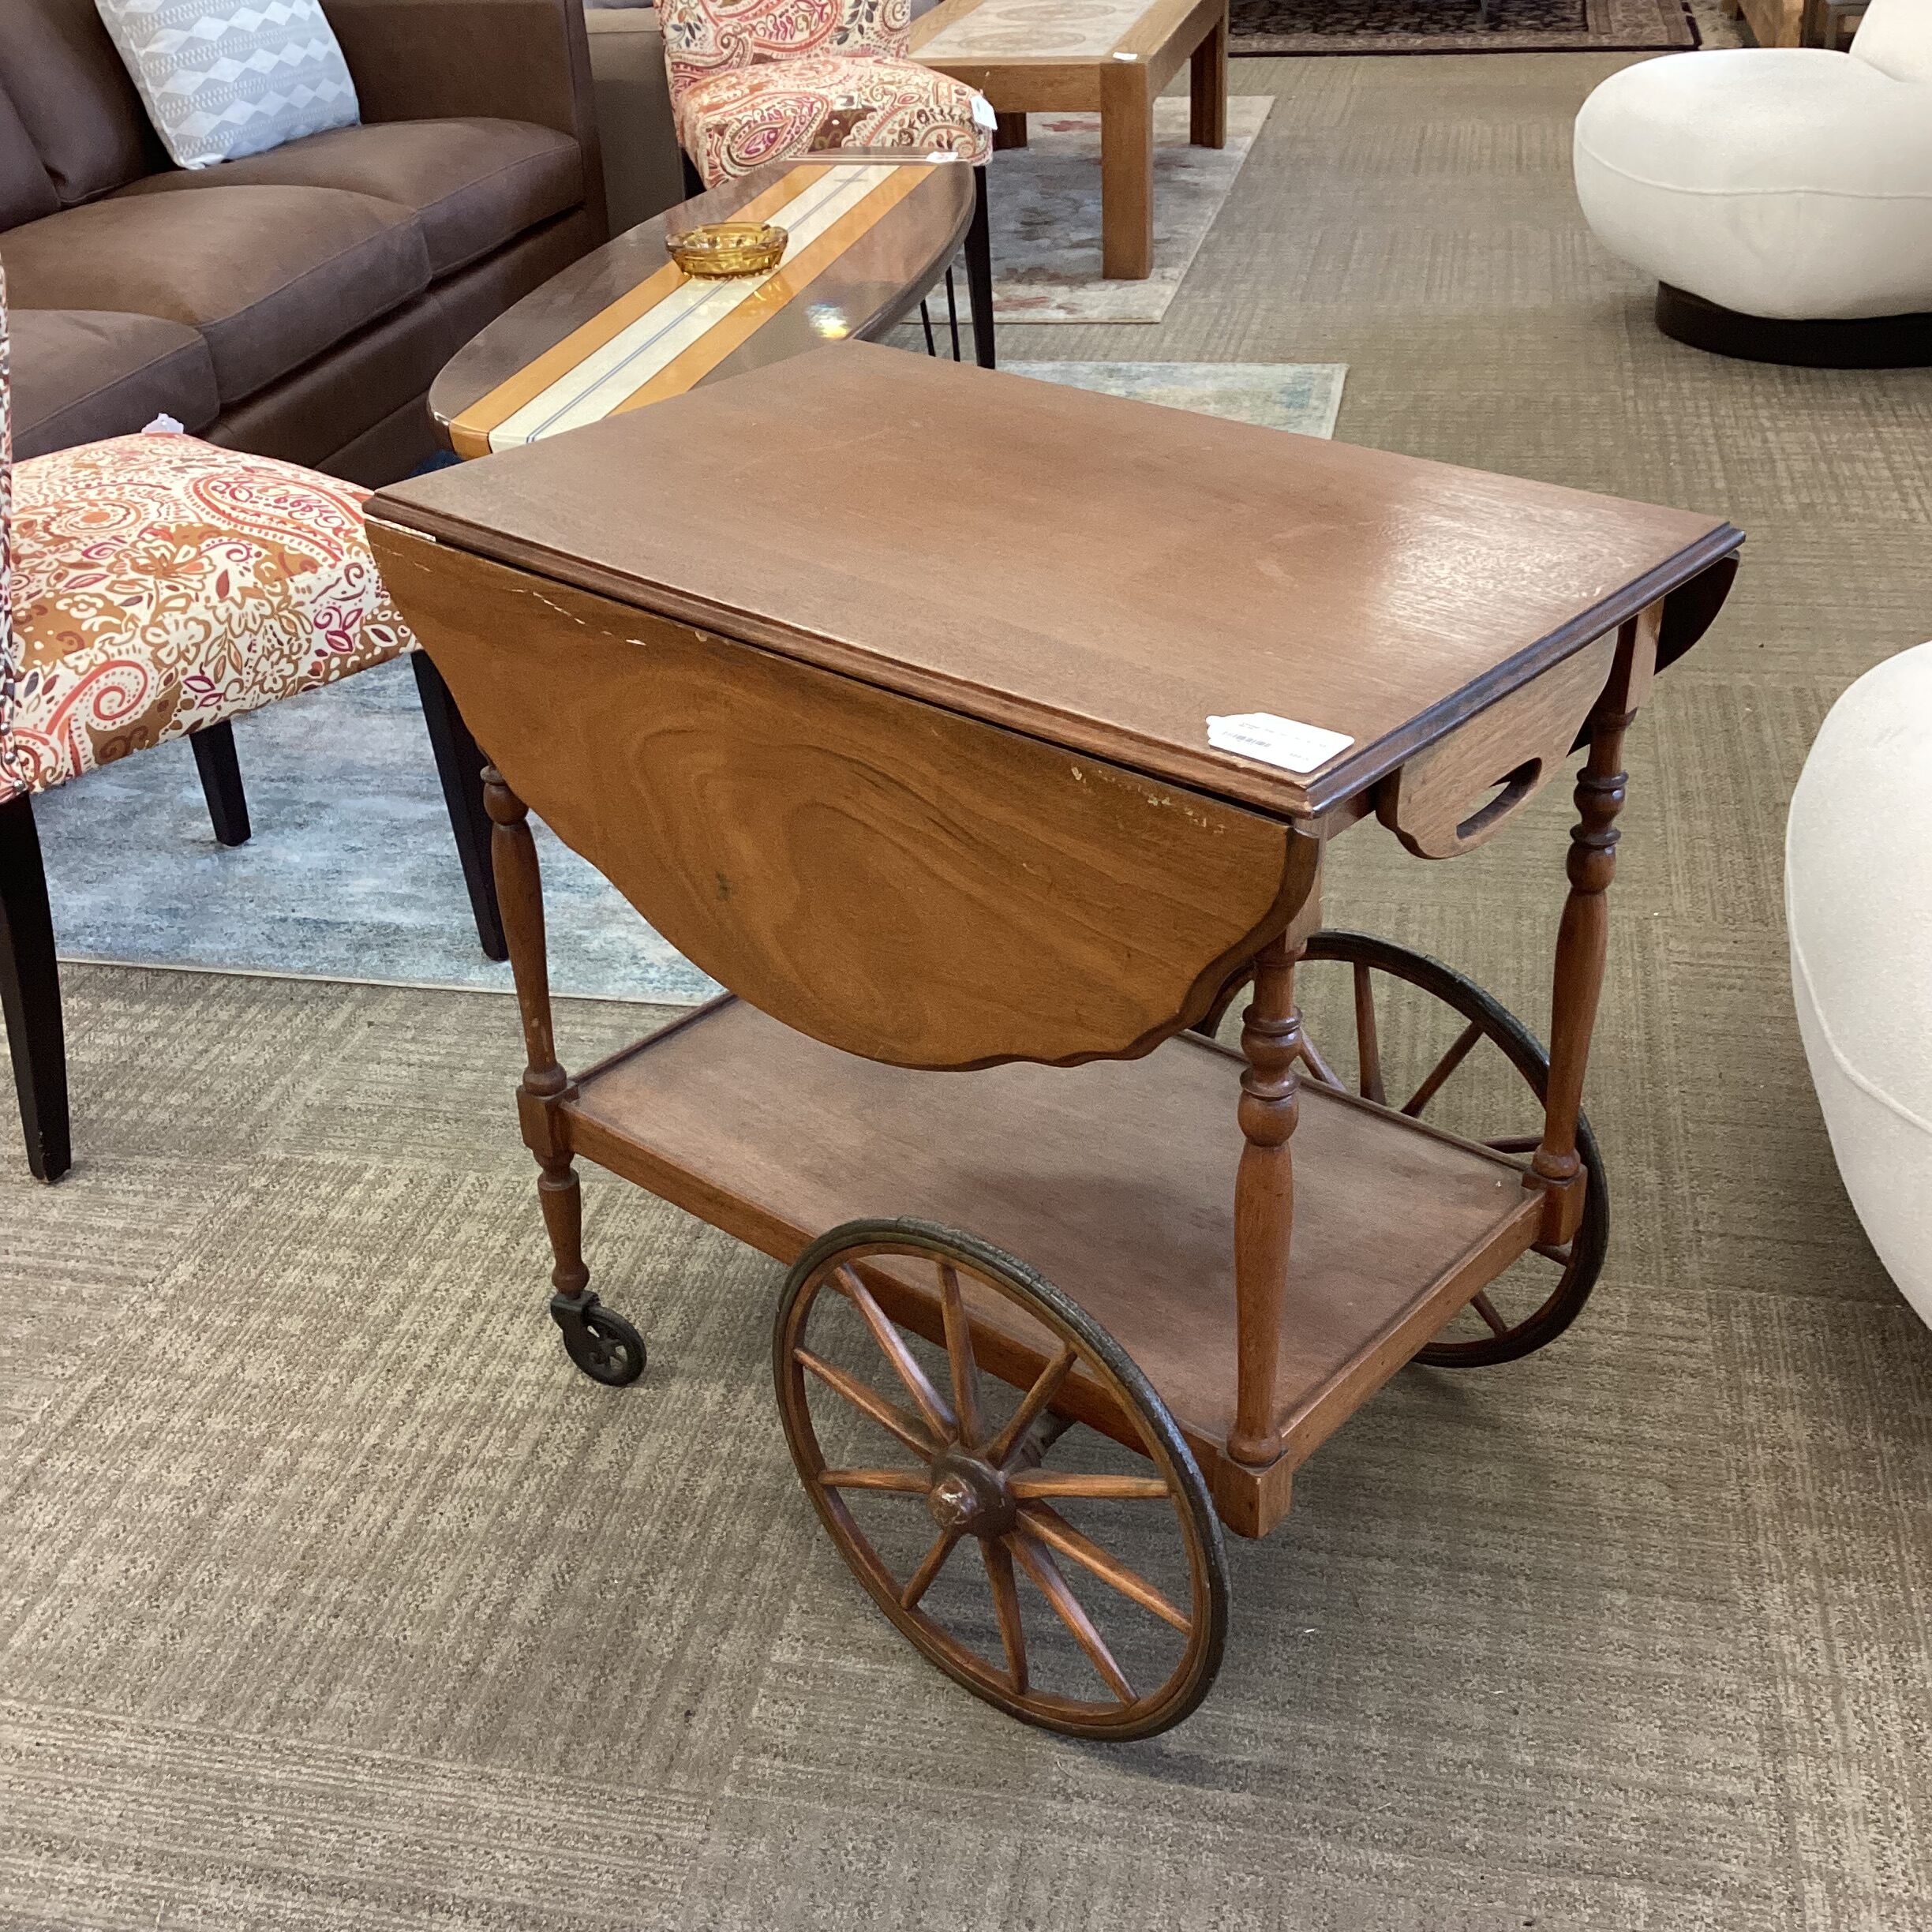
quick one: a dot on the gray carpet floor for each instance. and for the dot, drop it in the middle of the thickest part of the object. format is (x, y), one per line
(332, 1598)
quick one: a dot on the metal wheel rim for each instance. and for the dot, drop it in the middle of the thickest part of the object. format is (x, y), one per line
(1564, 1301)
(1190, 1681)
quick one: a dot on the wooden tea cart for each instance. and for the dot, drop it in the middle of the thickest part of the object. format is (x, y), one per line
(882, 688)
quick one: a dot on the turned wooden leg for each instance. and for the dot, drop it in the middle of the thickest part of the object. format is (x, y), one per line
(599, 1341)
(1264, 1195)
(519, 897)
(1582, 939)
(1207, 88)
(1126, 172)
(562, 1201)
(1582, 942)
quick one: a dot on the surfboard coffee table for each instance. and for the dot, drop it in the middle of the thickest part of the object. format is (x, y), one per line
(1109, 57)
(625, 326)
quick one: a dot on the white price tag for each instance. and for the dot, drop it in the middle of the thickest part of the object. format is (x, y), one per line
(1286, 742)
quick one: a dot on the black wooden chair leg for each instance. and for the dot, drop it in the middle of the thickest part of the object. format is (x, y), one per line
(221, 781)
(979, 272)
(459, 765)
(30, 994)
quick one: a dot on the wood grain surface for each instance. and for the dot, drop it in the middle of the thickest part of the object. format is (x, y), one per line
(1436, 804)
(888, 876)
(1100, 574)
(1116, 1180)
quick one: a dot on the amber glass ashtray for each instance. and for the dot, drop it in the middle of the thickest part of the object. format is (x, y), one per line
(728, 248)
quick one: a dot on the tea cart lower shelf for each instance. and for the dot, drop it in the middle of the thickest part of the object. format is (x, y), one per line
(1115, 1180)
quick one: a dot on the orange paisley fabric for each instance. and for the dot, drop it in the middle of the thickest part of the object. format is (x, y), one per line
(735, 122)
(153, 584)
(706, 37)
(9, 677)
(759, 80)
(161, 584)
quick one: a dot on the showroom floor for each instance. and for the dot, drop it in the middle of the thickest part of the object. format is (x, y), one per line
(334, 1598)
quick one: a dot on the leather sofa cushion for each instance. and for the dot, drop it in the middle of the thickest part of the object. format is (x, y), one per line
(81, 375)
(474, 184)
(25, 191)
(74, 97)
(270, 277)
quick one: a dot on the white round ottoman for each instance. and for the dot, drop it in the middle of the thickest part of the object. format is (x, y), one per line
(1782, 196)
(1858, 896)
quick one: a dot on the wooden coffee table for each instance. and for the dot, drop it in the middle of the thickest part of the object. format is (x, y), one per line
(1111, 57)
(870, 235)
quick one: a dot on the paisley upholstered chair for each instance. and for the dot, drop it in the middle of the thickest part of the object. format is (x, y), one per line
(152, 587)
(753, 81)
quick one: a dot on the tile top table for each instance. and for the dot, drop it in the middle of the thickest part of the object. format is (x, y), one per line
(625, 326)
(1111, 57)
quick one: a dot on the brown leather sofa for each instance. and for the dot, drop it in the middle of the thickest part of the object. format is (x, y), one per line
(296, 303)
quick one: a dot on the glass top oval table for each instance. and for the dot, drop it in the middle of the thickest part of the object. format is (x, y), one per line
(868, 234)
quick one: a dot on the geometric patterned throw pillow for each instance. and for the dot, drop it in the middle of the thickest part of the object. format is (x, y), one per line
(224, 78)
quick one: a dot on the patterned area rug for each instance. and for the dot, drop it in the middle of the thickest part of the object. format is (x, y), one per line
(352, 874)
(1302, 396)
(1046, 211)
(1266, 26)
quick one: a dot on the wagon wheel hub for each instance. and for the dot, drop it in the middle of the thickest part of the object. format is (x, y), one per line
(968, 1496)
(993, 1497)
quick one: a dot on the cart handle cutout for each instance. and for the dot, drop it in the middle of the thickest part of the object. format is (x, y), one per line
(1512, 790)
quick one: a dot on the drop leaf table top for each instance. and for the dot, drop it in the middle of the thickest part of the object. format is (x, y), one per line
(1100, 574)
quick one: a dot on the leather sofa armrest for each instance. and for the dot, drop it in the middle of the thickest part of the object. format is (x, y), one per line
(643, 170)
(513, 60)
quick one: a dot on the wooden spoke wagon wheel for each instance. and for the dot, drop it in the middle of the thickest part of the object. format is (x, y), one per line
(992, 1490)
(1543, 1296)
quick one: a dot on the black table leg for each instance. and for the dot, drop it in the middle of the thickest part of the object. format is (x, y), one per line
(30, 994)
(979, 272)
(459, 765)
(221, 781)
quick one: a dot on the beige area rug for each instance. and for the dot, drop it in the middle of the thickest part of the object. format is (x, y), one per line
(1304, 397)
(1045, 214)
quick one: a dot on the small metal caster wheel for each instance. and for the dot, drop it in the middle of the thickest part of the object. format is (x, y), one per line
(598, 1339)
